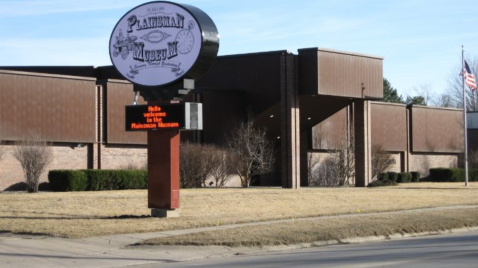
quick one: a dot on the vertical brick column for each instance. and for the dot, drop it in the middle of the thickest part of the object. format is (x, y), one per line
(363, 142)
(95, 154)
(304, 146)
(163, 169)
(409, 134)
(290, 124)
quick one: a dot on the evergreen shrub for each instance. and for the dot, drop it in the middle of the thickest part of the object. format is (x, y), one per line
(67, 180)
(393, 176)
(415, 176)
(404, 177)
(97, 180)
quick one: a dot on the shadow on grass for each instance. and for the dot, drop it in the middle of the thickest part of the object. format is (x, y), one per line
(75, 217)
(22, 186)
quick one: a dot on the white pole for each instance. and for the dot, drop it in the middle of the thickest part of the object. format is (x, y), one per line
(465, 130)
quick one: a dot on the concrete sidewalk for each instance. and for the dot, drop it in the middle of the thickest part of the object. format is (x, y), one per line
(116, 250)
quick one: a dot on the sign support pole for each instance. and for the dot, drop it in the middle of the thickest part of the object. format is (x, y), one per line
(465, 128)
(163, 173)
(156, 53)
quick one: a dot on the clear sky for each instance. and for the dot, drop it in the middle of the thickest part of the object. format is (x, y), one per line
(420, 40)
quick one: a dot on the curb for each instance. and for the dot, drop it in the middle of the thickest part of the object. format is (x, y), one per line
(127, 240)
(354, 240)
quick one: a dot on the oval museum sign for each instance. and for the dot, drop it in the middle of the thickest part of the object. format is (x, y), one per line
(159, 43)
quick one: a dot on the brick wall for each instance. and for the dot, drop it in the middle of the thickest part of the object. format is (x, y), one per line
(70, 156)
(64, 157)
(396, 166)
(123, 156)
(423, 162)
(363, 154)
(319, 158)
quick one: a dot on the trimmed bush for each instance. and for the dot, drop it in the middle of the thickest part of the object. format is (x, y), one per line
(404, 177)
(415, 176)
(383, 176)
(452, 174)
(447, 174)
(399, 177)
(382, 183)
(393, 176)
(132, 179)
(100, 180)
(97, 180)
(473, 174)
(67, 180)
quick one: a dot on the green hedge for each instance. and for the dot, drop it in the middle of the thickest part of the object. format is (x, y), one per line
(382, 183)
(383, 176)
(447, 174)
(472, 174)
(67, 180)
(97, 180)
(404, 177)
(415, 176)
(393, 176)
(452, 174)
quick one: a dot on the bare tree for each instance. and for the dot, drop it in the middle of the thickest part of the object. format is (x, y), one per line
(381, 161)
(192, 170)
(221, 166)
(198, 162)
(424, 93)
(343, 160)
(455, 86)
(473, 158)
(338, 168)
(444, 100)
(34, 155)
(318, 142)
(252, 152)
(324, 174)
(312, 175)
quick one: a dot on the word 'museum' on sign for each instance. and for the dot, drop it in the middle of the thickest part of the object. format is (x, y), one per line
(159, 43)
(183, 116)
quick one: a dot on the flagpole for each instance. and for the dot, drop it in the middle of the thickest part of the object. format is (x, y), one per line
(464, 117)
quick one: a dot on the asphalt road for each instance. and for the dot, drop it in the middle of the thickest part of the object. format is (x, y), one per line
(451, 250)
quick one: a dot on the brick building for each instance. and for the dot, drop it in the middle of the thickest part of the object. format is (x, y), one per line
(318, 92)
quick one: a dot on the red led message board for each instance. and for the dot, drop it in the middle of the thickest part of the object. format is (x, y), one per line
(183, 116)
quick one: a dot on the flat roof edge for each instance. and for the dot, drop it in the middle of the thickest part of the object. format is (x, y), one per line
(435, 108)
(343, 52)
(256, 54)
(389, 103)
(47, 75)
(118, 81)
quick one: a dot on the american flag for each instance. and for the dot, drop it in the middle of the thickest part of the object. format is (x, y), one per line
(469, 77)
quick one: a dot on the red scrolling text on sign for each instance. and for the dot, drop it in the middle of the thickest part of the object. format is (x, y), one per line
(150, 117)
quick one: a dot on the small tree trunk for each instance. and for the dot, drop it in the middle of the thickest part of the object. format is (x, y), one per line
(34, 155)
(32, 185)
(244, 182)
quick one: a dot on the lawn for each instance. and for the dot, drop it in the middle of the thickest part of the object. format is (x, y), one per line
(85, 214)
(339, 230)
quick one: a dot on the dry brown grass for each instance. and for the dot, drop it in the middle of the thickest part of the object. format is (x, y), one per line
(296, 232)
(83, 214)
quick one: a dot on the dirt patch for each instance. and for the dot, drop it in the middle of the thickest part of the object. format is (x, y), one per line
(296, 232)
(84, 214)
